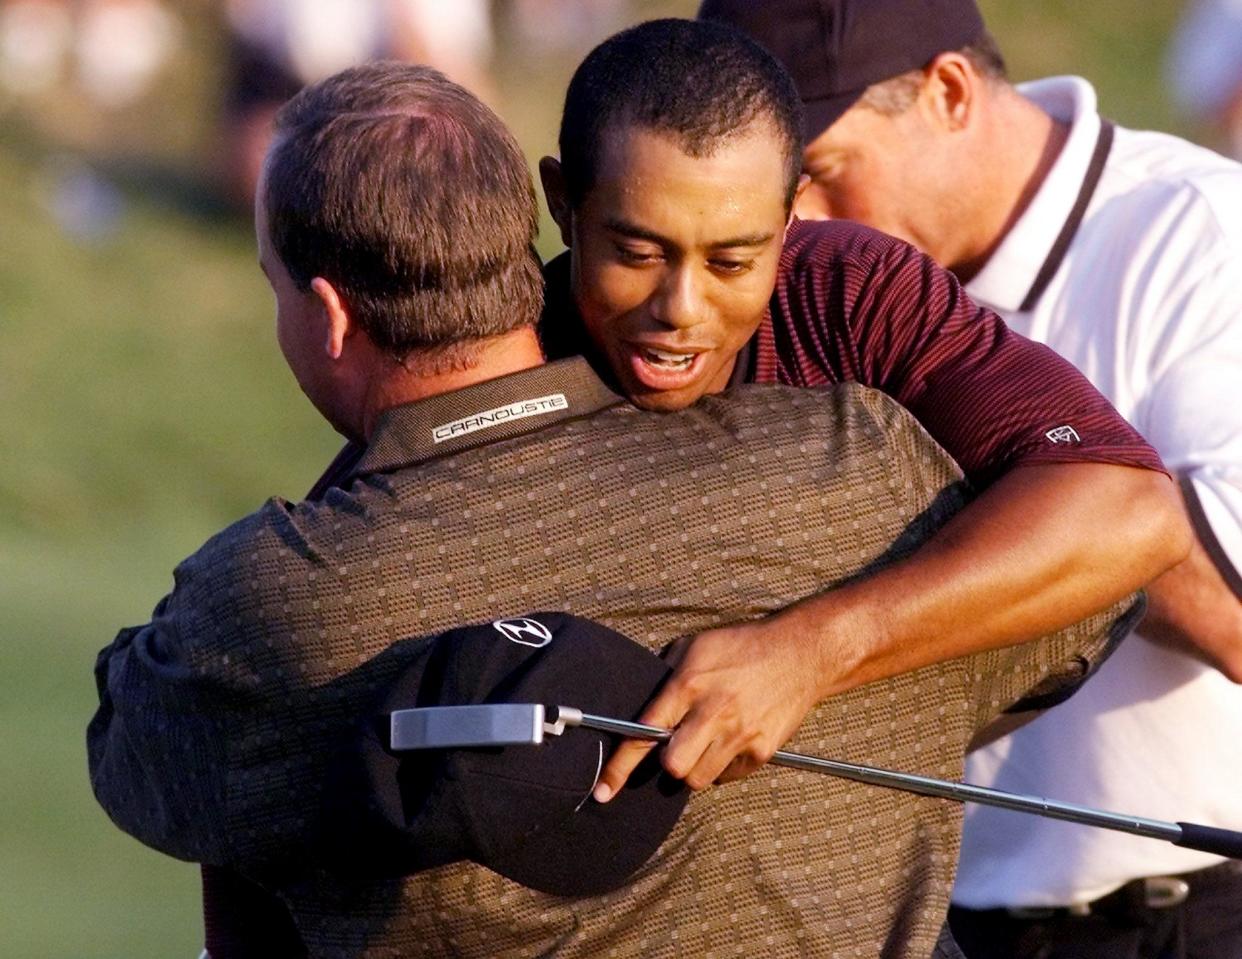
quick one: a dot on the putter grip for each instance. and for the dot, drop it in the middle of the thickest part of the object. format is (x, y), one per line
(1223, 842)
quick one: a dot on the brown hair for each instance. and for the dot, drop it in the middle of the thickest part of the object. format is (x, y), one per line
(411, 197)
(896, 94)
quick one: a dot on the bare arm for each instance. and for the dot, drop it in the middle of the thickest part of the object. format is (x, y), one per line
(1042, 548)
(1193, 608)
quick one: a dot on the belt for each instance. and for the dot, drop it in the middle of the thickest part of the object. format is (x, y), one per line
(1150, 893)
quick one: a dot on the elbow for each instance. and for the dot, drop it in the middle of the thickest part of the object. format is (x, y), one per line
(1166, 529)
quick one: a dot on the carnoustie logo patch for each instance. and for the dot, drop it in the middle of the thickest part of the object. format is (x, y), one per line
(501, 414)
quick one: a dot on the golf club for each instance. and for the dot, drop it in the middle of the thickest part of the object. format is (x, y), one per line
(511, 724)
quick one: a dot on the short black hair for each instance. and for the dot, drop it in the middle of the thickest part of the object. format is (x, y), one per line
(411, 197)
(700, 82)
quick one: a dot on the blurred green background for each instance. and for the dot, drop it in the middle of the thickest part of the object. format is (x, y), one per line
(145, 406)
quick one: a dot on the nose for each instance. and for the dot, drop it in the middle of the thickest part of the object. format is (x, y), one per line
(678, 303)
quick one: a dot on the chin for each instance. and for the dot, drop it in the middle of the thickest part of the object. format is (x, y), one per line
(668, 402)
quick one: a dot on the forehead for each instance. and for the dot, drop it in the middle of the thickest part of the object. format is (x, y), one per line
(647, 177)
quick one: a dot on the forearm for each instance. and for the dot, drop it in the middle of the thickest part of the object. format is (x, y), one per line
(1192, 608)
(1043, 547)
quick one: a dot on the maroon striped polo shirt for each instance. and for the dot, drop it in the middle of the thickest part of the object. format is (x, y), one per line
(852, 303)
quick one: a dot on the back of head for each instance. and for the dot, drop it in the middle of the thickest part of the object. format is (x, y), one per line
(699, 83)
(412, 198)
(839, 50)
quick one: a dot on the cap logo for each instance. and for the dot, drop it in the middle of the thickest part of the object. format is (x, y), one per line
(524, 632)
(1063, 435)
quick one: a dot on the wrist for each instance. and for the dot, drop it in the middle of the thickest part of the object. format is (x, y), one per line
(840, 637)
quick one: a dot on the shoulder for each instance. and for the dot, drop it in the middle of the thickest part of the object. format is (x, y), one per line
(752, 414)
(839, 402)
(248, 557)
(844, 415)
(838, 245)
(1184, 190)
(1167, 226)
(1151, 181)
(838, 275)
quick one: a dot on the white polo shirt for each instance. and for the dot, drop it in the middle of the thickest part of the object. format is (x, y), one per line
(1147, 302)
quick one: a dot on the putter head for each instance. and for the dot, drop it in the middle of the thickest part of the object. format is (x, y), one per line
(448, 727)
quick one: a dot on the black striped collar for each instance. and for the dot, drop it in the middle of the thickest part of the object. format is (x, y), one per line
(1019, 270)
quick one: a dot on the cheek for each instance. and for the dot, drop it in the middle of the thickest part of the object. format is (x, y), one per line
(606, 291)
(291, 334)
(742, 305)
(855, 198)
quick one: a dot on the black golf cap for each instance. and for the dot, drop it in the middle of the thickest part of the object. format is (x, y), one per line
(835, 49)
(523, 811)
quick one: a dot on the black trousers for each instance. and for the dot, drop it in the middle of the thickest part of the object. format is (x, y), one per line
(1208, 925)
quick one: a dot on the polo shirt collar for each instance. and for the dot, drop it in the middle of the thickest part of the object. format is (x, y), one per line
(1011, 270)
(487, 412)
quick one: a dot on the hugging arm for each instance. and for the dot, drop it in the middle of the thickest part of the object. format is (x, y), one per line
(1061, 529)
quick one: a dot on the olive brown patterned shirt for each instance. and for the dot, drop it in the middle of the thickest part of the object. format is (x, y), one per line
(218, 720)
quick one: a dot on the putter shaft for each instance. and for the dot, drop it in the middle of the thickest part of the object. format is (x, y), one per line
(926, 786)
(501, 724)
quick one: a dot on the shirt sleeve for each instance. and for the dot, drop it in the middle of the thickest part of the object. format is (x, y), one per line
(156, 745)
(993, 399)
(217, 718)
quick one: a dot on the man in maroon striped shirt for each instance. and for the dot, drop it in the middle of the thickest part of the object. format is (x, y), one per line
(680, 162)
(680, 158)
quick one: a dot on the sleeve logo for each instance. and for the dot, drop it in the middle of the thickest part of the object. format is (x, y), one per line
(1063, 436)
(524, 632)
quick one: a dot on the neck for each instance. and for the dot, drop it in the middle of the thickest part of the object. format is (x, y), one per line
(419, 376)
(1025, 143)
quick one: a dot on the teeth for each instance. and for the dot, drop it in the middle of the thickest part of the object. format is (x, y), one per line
(664, 358)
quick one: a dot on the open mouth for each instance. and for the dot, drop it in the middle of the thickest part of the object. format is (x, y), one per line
(666, 360)
(657, 369)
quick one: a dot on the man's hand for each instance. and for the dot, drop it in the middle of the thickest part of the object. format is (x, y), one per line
(735, 697)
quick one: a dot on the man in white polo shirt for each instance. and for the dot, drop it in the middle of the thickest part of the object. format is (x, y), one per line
(1123, 251)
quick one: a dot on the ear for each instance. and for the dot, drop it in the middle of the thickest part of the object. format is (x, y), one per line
(804, 182)
(338, 324)
(554, 192)
(950, 91)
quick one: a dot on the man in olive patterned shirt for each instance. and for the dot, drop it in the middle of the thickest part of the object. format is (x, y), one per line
(489, 485)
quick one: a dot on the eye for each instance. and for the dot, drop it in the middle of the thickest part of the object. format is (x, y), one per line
(827, 172)
(731, 267)
(638, 257)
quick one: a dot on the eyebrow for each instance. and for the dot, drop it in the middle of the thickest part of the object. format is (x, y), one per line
(625, 228)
